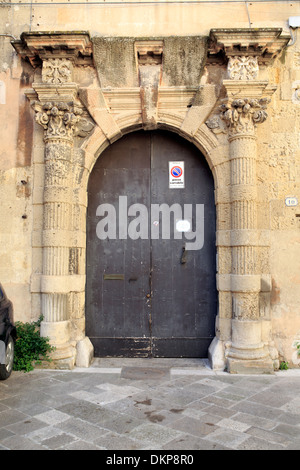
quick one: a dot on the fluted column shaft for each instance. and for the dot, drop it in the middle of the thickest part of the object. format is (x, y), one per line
(57, 210)
(244, 225)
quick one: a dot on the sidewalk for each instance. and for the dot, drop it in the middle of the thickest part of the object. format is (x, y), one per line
(155, 404)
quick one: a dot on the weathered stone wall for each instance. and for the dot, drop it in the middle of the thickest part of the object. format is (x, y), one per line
(190, 94)
(280, 163)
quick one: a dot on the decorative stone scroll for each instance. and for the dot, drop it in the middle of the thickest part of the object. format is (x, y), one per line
(57, 71)
(243, 68)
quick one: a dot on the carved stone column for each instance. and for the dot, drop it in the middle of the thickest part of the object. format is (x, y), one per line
(60, 121)
(247, 53)
(62, 116)
(247, 350)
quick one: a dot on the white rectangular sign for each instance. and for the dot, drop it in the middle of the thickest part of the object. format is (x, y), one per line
(291, 201)
(176, 174)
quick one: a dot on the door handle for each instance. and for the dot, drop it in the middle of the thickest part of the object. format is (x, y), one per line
(183, 256)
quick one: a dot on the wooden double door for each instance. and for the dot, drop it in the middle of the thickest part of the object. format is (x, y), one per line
(151, 256)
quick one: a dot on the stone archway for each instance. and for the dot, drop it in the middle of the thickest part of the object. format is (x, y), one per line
(242, 340)
(218, 161)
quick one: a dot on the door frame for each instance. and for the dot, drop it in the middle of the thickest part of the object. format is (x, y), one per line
(218, 161)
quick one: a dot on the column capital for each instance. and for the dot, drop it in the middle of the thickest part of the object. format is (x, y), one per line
(62, 121)
(245, 106)
(242, 115)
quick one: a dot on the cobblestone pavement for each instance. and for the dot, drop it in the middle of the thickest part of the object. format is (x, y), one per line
(155, 404)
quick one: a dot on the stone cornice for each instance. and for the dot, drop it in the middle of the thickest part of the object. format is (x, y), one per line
(245, 88)
(263, 43)
(40, 46)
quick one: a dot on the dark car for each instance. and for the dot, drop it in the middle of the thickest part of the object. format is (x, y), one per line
(8, 335)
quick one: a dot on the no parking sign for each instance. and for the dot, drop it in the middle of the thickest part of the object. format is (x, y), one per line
(176, 174)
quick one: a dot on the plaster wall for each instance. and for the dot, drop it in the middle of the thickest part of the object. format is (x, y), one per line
(141, 18)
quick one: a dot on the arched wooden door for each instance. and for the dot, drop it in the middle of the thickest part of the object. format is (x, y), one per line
(151, 273)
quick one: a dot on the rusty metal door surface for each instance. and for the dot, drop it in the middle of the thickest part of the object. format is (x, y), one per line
(146, 294)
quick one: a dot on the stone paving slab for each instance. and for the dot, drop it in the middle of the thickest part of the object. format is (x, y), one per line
(149, 404)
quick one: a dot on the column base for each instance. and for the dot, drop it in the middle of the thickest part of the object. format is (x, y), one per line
(248, 354)
(64, 355)
(250, 366)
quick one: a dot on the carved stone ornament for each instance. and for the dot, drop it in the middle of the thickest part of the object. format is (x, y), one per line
(242, 68)
(242, 115)
(57, 70)
(61, 120)
(216, 125)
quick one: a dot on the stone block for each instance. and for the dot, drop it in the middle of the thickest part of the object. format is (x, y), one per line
(85, 353)
(216, 354)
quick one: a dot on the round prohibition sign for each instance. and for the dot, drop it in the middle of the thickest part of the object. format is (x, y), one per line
(176, 171)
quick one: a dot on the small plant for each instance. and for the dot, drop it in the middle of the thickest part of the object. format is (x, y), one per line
(284, 365)
(30, 348)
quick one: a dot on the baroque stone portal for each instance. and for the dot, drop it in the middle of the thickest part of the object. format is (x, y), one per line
(151, 85)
